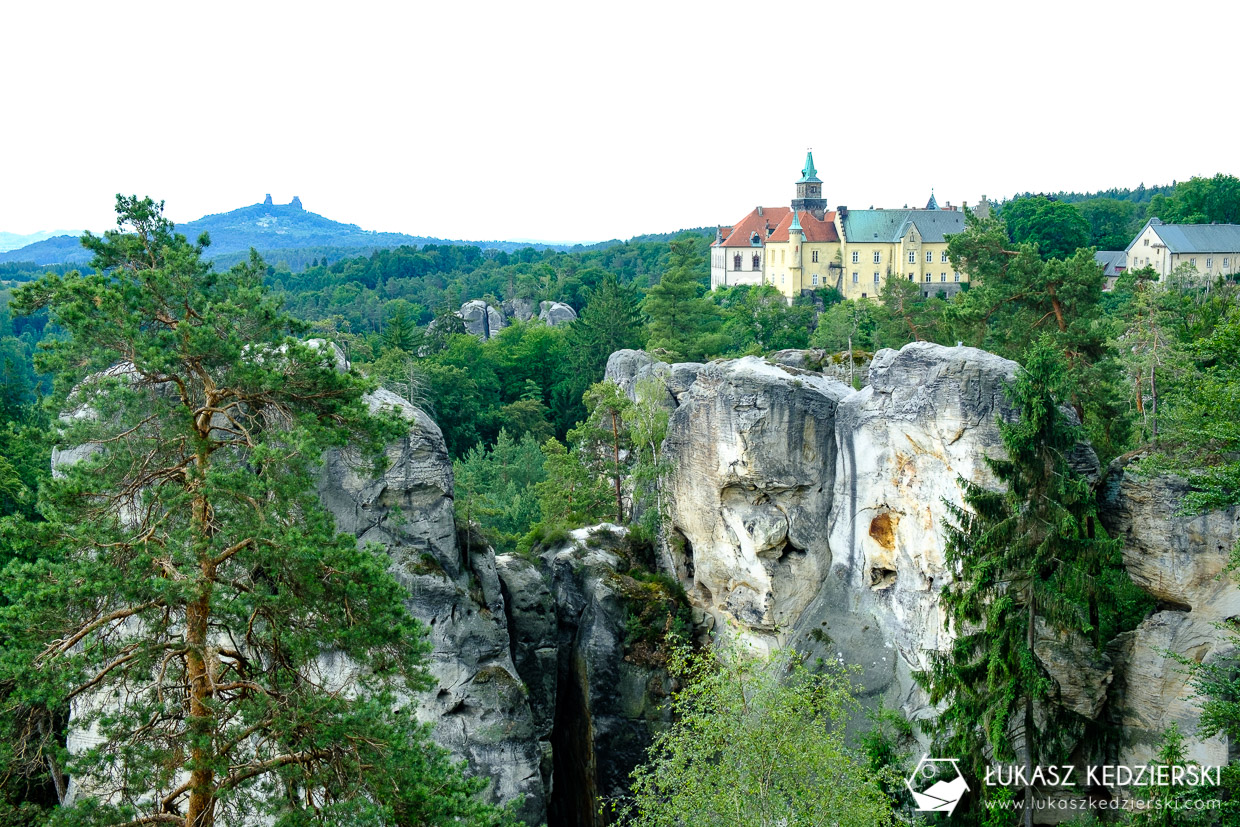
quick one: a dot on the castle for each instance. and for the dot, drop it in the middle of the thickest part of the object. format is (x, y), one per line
(806, 247)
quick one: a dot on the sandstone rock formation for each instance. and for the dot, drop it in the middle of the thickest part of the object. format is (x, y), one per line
(556, 313)
(479, 709)
(520, 309)
(481, 319)
(596, 708)
(806, 514)
(1180, 560)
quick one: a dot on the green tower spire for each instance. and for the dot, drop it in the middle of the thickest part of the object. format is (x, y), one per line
(809, 174)
(796, 223)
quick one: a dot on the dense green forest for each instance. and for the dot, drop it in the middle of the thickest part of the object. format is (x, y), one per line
(541, 445)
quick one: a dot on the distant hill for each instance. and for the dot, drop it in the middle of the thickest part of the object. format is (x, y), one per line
(14, 241)
(278, 231)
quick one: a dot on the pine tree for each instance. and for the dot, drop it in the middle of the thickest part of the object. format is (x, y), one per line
(190, 581)
(683, 325)
(1029, 555)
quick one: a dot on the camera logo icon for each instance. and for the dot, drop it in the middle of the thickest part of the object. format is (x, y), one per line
(937, 785)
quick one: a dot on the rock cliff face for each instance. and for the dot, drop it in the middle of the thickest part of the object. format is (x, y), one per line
(597, 708)
(808, 514)
(534, 688)
(1180, 560)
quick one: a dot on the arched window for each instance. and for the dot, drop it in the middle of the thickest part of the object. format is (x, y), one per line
(757, 261)
(736, 261)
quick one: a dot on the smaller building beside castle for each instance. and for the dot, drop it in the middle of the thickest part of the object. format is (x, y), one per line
(806, 246)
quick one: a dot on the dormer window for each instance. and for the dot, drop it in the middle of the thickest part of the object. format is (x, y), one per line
(755, 240)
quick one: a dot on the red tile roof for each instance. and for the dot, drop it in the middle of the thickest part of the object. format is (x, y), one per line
(754, 223)
(811, 228)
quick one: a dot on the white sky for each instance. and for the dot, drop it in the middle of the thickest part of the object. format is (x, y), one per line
(584, 121)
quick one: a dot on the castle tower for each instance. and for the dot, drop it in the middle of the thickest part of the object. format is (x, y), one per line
(809, 190)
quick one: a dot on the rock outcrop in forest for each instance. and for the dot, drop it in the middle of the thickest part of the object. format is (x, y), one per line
(802, 513)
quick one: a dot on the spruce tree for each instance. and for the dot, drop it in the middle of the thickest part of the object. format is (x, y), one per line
(683, 324)
(191, 591)
(609, 322)
(1031, 553)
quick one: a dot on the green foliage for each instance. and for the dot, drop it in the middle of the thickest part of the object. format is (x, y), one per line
(1180, 805)
(754, 742)
(1032, 559)
(495, 489)
(683, 325)
(1200, 201)
(758, 318)
(1056, 229)
(888, 748)
(570, 497)
(1112, 223)
(646, 422)
(603, 439)
(187, 566)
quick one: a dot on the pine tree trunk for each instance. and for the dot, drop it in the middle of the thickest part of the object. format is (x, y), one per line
(201, 807)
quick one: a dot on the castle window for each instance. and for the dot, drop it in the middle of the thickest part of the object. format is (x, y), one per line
(878, 257)
(815, 277)
(1146, 242)
(757, 261)
(957, 275)
(855, 255)
(863, 295)
(1225, 262)
(736, 261)
(876, 278)
(911, 256)
(944, 258)
(910, 276)
(927, 277)
(815, 256)
(942, 277)
(929, 256)
(854, 274)
(1209, 263)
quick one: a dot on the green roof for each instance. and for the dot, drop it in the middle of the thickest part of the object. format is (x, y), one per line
(809, 175)
(889, 226)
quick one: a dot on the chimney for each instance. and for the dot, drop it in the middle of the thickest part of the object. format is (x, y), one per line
(759, 212)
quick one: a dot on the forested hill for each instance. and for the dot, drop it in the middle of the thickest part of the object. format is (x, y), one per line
(285, 233)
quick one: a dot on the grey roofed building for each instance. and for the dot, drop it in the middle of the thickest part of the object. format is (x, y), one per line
(1198, 238)
(1112, 262)
(889, 226)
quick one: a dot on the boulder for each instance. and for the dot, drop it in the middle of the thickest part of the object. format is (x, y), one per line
(481, 319)
(556, 313)
(628, 367)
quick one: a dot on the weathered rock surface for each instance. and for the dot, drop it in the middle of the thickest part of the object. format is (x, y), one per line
(834, 365)
(753, 450)
(481, 319)
(520, 309)
(1180, 560)
(626, 368)
(479, 709)
(596, 709)
(556, 313)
